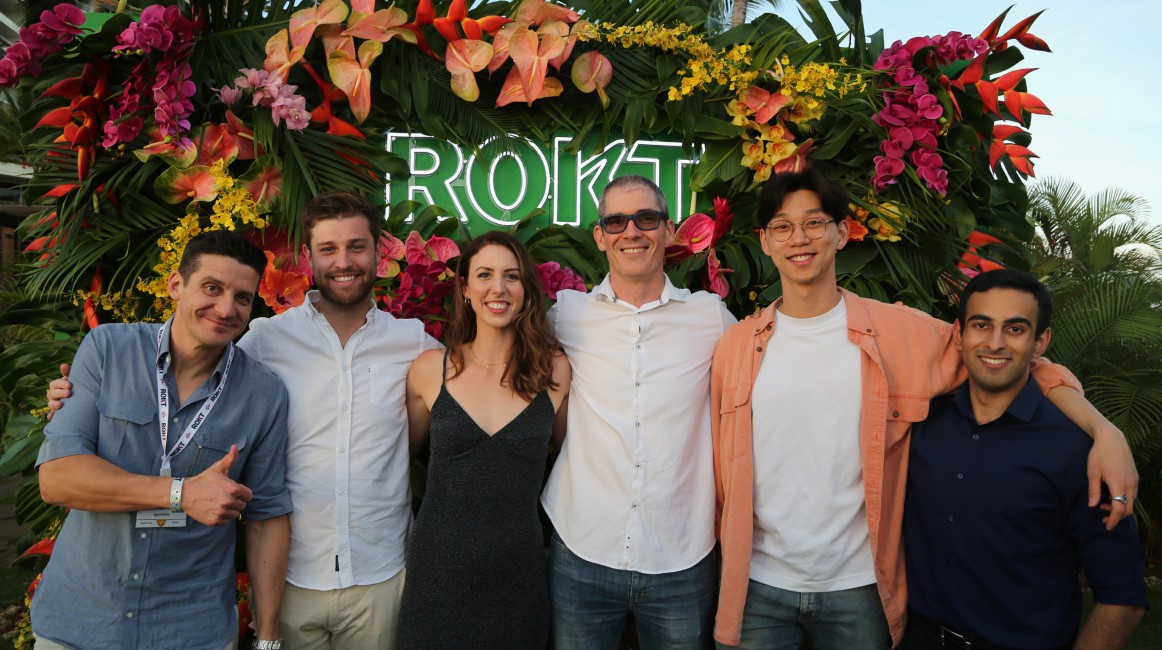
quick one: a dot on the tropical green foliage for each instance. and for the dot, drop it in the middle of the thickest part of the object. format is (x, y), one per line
(1103, 261)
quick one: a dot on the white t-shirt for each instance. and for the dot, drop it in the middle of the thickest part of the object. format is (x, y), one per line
(811, 532)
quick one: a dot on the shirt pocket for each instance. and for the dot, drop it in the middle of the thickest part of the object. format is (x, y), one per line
(386, 386)
(735, 404)
(123, 415)
(202, 452)
(903, 412)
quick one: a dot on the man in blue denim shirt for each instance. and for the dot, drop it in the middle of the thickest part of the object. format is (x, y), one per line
(170, 435)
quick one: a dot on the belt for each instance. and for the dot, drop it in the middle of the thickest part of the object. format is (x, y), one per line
(949, 638)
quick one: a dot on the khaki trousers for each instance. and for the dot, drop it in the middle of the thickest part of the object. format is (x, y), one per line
(363, 617)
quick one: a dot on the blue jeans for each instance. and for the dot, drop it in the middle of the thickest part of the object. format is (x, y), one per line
(833, 620)
(673, 611)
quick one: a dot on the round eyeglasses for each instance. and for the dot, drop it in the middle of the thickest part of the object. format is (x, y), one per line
(645, 219)
(782, 230)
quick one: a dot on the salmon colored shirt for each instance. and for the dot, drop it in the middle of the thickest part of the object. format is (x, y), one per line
(907, 358)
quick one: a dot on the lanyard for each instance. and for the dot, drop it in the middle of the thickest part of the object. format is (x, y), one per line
(163, 406)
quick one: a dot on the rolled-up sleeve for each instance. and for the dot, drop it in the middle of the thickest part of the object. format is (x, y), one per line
(265, 469)
(75, 427)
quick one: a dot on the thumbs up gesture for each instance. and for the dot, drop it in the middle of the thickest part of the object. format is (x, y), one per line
(212, 497)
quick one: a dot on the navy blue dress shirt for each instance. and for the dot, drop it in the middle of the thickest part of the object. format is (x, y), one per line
(997, 525)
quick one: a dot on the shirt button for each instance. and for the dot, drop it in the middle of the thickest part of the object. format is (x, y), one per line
(136, 576)
(976, 436)
(144, 535)
(633, 505)
(895, 414)
(637, 424)
(759, 349)
(128, 614)
(638, 346)
(637, 466)
(960, 476)
(951, 518)
(637, 383)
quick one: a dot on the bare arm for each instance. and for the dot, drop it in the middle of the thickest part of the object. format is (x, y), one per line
(266, 552)
(563, 376)
(88, 482)
(1110, 459)
(418, 410)
(1109, 627)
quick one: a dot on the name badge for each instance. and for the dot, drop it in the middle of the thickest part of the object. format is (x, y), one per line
(160, 519)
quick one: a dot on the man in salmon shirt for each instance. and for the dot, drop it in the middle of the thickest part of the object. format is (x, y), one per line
(810, 475)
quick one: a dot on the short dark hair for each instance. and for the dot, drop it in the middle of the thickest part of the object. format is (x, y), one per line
(338, 204)
(1010, 279)
(224, 243)
(831, 194)
(629, 181)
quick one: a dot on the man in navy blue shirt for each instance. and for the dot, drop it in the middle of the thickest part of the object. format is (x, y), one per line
(996, 523)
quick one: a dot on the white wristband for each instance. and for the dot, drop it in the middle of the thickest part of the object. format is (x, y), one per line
(175, 495)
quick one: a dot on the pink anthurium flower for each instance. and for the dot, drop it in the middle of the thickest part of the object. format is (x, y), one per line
(715, 275)
(391, 252)
(196, 183)
(464, 59)
(694, 235)
(426, 254)
(531, 57)
(243, 135)
(353, 77)
(765, 104)
(500, 43)
(592, 71)
(304, 21)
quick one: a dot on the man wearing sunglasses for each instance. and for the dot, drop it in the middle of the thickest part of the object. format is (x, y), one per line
(631, 495)
(813, 401)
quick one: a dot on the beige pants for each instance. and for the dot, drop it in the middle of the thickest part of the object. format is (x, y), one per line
(363, 617)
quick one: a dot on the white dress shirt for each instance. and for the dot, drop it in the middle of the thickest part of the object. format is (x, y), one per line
(347, 444)
(633, 488)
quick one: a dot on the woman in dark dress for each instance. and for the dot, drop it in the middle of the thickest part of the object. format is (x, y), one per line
(490, 404)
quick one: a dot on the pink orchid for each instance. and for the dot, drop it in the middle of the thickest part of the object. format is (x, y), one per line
(555, 277)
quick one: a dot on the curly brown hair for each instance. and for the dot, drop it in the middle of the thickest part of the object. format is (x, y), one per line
(530, 362)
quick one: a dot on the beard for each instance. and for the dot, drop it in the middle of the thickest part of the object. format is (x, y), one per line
(345, 297)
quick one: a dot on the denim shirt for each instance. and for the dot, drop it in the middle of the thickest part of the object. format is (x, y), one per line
(112, 585)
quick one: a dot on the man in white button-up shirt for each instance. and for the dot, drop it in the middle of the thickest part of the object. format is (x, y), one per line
(632, 494)
(344, 363)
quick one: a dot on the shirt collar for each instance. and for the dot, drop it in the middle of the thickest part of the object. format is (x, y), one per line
(1023, 407)
(604, 292)
(164, 358)
(313, 297)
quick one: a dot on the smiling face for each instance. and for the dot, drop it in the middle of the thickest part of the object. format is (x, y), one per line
(998, 339)
(343, 259)
(804, 262)
(213, 302)
(636, 257)
(494, 287)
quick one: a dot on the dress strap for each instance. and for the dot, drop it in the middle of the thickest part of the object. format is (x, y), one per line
(444, 370)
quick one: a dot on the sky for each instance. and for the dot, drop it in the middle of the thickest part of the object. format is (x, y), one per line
(1099, 81)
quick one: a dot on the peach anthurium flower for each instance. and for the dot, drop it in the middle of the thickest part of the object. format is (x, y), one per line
(281, 289)
(353, 77)
(381, 26)
(536, 12)
(513, 91)
(464, 59)
(558, 28)
(243, 135)
(280, 57)
(531, 56)
(592, 71)
(263, 180)
(765, 104)
(196, 183)
(334, 39)
(500, 44)
(304, 21)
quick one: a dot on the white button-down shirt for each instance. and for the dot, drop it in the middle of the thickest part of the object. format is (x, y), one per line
(347, 444)
(633, 488)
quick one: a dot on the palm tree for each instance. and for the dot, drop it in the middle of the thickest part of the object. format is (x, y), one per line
(1103, 261)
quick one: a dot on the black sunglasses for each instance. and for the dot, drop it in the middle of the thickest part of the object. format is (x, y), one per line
(645, 220)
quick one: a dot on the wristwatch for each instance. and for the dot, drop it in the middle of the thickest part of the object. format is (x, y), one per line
(266, 644)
